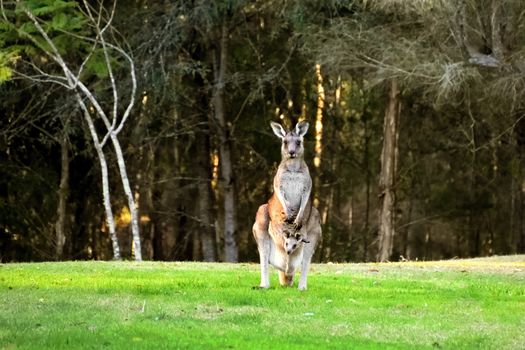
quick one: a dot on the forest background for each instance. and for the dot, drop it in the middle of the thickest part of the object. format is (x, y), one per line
(416, 134)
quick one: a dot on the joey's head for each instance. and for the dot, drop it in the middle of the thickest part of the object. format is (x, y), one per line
(292, 141)
(293, 241)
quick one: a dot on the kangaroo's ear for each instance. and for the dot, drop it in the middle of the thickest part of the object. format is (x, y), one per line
(300, 238)
(278, 130)
(301, 128)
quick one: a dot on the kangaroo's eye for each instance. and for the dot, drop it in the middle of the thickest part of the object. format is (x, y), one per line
(294, 246)
(285, 142)
(297, 142)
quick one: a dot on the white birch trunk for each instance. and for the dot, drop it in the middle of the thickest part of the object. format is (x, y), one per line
(129, 195)
(105, 180)
(74, 83)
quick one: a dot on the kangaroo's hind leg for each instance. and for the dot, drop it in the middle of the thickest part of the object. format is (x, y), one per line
(263, 239)
(285, 280)
(314, 234)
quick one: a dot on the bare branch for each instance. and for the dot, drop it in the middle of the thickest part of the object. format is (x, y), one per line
(46, 78)
(72, 79)
(100, 39)
(3, 10)
(100, 36)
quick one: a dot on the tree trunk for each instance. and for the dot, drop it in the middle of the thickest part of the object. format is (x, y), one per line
(207, 228)
(388, 174)
(324, 244)
(366, 162)
(498, 47)
(63, 193)
(133, 208)
(144, 179)
(105, 179)
(474, 243)
(319, 118)
(518, 240)
(227, 180)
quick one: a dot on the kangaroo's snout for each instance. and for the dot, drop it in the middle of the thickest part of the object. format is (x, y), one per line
(291, 243)
(292, 146)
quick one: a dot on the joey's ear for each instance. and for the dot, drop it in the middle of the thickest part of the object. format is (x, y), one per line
(278, 130)
(301, 128)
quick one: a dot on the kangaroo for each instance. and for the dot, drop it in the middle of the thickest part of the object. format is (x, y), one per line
(287, 228)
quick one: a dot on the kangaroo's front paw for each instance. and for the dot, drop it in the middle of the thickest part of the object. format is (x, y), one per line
(297, 225)
(290, 220)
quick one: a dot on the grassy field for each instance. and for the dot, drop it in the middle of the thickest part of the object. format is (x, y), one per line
(461, 304)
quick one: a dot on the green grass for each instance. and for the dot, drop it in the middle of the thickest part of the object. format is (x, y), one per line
(470, 304)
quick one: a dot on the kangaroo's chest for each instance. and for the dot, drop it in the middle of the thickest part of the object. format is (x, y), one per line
(293, 185)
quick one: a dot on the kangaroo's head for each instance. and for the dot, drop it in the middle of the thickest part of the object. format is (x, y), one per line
(293, 241)
(292, 141)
